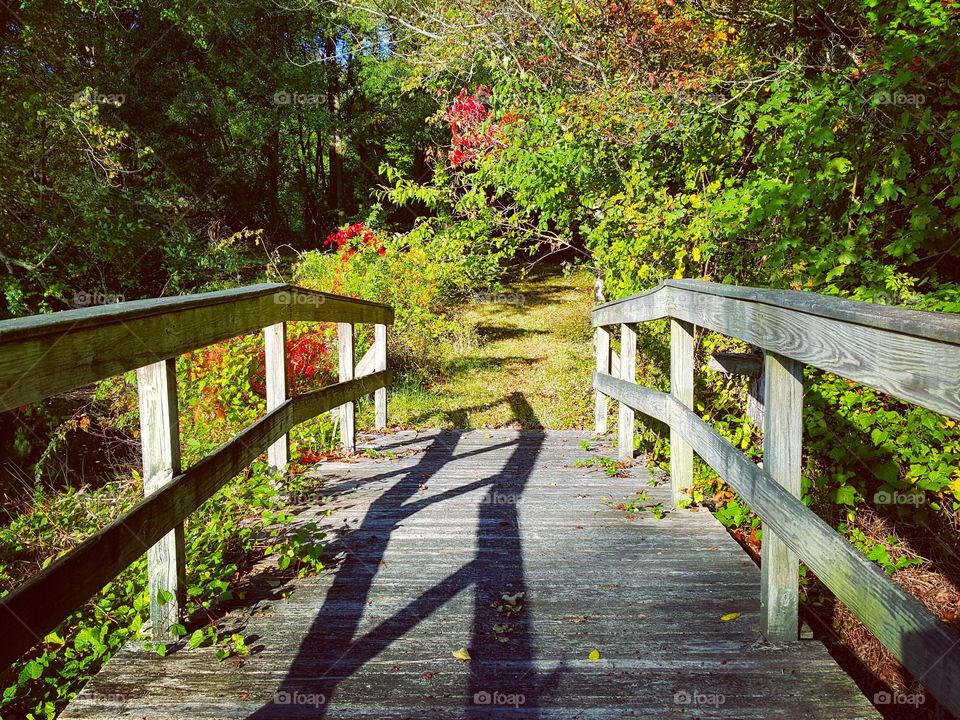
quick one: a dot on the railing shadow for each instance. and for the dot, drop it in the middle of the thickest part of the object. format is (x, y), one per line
(333, 649)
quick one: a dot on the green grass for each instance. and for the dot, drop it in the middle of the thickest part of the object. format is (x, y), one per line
(524, 360)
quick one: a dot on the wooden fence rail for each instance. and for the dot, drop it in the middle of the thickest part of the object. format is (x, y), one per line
(911, 355)
(44, 355)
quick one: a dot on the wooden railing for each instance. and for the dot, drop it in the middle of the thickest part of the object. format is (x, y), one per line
(908, 354)
(44, 355)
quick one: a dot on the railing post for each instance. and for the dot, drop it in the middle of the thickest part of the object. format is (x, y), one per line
(681, 387)
(380, 395)
(601, 343)
(160, 438)
(628, 372)
(275, 352)
(782, 448)
(346, 361)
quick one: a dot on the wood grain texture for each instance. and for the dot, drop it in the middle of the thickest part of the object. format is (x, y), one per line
(927, 648)
(160, 442)
(380, 395)
(602, 353)
(626, 420)
(681, 388)
(275, 358)
(37, 607)
(345, 368)
(909, 354)
(730, 363)
(782, 460)
(44, 355)
(420, 547)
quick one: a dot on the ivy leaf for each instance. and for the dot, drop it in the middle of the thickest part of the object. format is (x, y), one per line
(196, 639)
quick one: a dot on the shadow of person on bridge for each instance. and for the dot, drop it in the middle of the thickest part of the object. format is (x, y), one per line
(502, 678)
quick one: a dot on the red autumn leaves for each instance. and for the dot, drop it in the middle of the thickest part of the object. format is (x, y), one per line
(474, 134)
(344, 239)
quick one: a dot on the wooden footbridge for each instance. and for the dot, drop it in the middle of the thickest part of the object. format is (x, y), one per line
(487, 574)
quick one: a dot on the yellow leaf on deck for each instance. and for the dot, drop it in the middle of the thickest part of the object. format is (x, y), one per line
(730, 616)
(462, 654)
(594, 655)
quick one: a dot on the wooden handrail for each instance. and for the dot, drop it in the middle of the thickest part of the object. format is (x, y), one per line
(912, 355)
(45, 355)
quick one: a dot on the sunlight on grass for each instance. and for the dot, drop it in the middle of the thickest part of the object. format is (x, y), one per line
(534, 339)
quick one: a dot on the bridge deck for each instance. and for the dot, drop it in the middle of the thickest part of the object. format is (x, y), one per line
(429, 542)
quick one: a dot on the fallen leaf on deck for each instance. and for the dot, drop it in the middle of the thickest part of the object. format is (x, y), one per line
(462, 654)
(594, 655)
(730, 616)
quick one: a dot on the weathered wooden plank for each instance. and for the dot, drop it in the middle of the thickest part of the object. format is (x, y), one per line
(922, 371)
(347, 412)
(628, 371)
(909, 354)
(36, 607)
(601, 349)
(275, 356)
(644, 307)
(925, 646)
(944, 327)
(44, 355)
(782, 460)
(681, 387)
(374, 634)
(730, 363)
(160, 441)
(380, 395)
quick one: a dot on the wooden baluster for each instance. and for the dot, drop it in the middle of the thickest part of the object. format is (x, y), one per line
(782, 454)
(681, 387)
(601, 343)
(160, 438)
(628, 372)
(380, 395)
(348, 436)
(275, 344)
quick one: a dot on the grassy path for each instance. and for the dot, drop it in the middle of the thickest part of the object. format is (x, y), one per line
(525, 362)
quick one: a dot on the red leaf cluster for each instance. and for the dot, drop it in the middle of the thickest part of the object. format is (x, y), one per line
(343, 239)
(473, 134)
